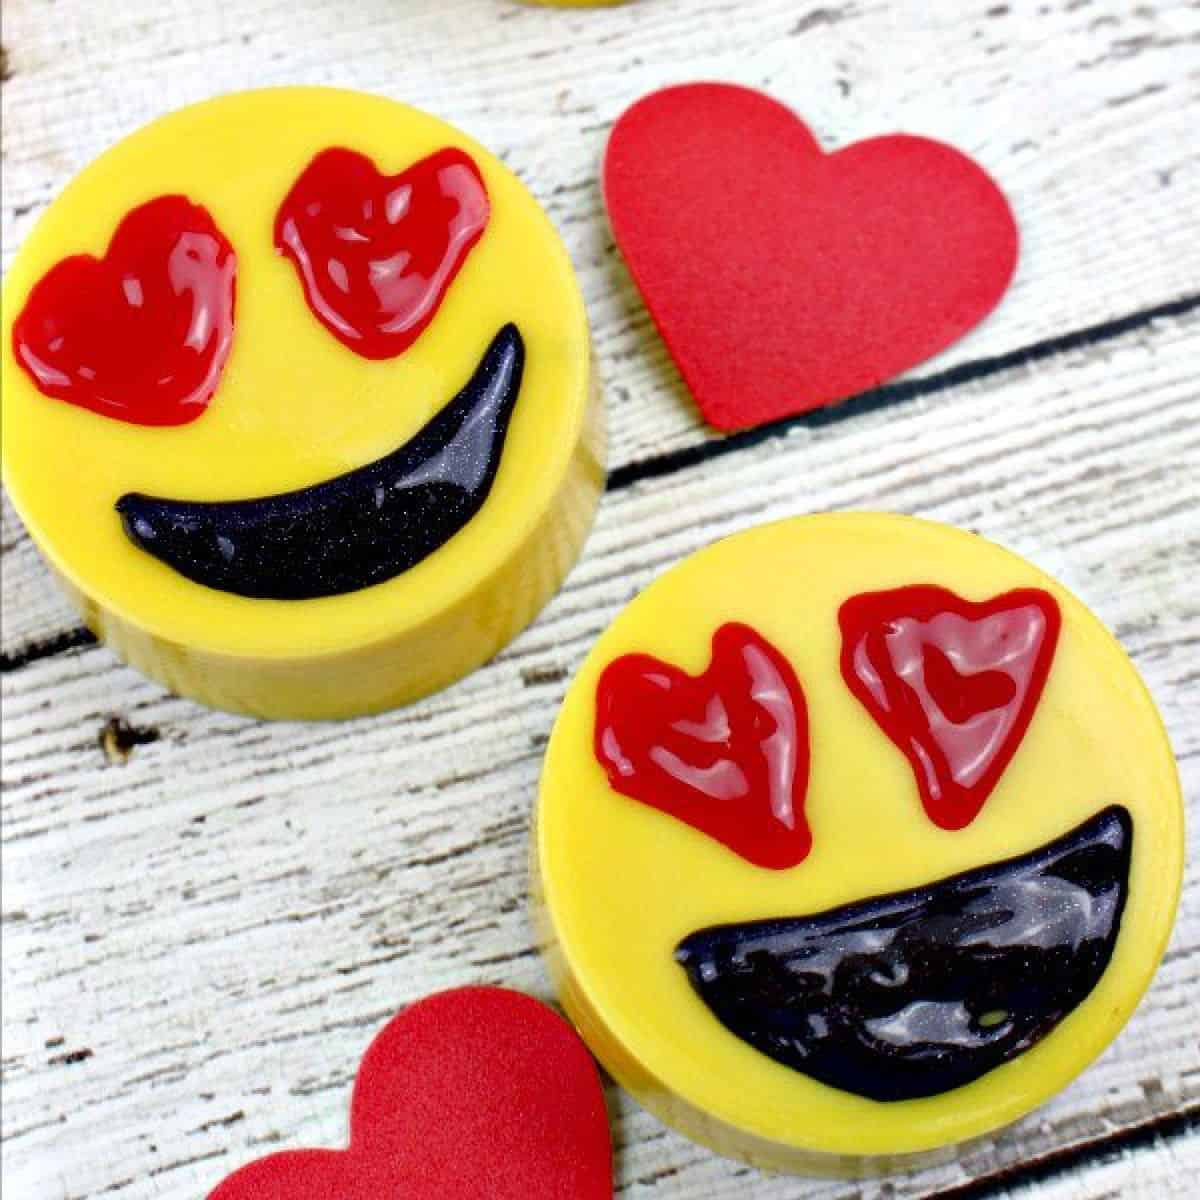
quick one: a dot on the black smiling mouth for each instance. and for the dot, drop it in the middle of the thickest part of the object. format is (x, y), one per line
(355, 530)
(915, 993)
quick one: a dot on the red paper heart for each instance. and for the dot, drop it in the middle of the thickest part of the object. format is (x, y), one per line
(472, 1093)
(783, 279)
(376, 253)
(726, 751)
(143, 333)
(953, 684)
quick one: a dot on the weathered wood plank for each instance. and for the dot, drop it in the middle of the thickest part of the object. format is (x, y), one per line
(899, 434)
(1081, 110)
(38, 621)
(199, 943)
(1164, 1172)
(224, 920)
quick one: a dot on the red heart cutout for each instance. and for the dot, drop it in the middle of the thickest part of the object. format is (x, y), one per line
(727, 751)
(782, 278)
(376, 253)
(143, 333)
(475, 1092)
(952, 683)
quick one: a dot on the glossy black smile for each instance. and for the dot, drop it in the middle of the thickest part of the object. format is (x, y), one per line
(358, 529)
(919, 992)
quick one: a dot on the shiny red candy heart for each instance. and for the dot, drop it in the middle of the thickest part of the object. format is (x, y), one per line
(143, 333)
(472, 1093)
(727, 751)
(376, 253)
(952, 683)
(783, 278)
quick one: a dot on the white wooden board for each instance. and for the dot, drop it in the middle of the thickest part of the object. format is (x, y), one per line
(199, 942)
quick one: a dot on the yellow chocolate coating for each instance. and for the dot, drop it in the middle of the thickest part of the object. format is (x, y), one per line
(618, 883)
(295, 407)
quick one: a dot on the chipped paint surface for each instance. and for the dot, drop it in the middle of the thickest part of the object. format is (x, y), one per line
(221, 923)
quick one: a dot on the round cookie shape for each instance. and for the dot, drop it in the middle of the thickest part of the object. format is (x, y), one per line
(976, 858)
(394, 457)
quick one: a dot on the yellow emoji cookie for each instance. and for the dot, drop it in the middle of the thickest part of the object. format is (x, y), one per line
(298, 402)
(857, 836)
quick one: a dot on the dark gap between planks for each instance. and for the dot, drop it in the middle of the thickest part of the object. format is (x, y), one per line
(690, 456)
(898, 393)
(1161, 1130)
(1096, 1152)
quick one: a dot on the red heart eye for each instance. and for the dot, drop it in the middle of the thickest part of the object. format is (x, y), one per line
(726, 751)
(377, 253)
(143, 333)
(953, 684)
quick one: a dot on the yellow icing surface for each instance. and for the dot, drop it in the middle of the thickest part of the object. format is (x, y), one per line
(618, 883)
(295, 407)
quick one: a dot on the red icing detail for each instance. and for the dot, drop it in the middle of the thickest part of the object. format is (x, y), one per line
(952, 683)
(726, 751)
(473, 1092)
(376, 253)
(783, 279)
(143, 333)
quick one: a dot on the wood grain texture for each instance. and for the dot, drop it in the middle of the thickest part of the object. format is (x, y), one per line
(200, 938)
